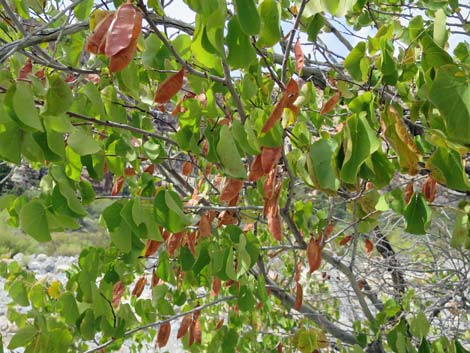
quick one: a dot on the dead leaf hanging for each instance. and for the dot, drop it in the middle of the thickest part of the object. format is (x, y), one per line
(231, 189)
(96, 41)
(168, 88)
(299, 295)
(330, 104)
(299, 57)
(314, 254)
(185, 324)
(269, 158)
(163, 334)
(122, 29)
(139, 287)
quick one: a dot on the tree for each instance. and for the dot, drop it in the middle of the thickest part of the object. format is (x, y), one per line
(273, 191)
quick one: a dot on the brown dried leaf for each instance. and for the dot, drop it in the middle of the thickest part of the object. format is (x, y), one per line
(330, 103)
(151, 247)
(150, 169)
(155, 279)
(25, 70)
(314, 254)
(298, 271)
(216, 284)
(122, 30)
(187, 168)
(345, 240)
(256, 170)
(299, 296)
(205, 226)
(231, 189)
(196, 332)
(118, 292)
(139, 287)
(185, 324)
(96, 41)
(276, 113)
(299, 57)
(117, 186)
(369, 246)
(219, 324)
(274, 224)
(409, 190)
(168, 88)
(174, 242)
(129, 171)
(120, 61)
(269, 158)
(429, 189)
(163, 334)
(270, 184)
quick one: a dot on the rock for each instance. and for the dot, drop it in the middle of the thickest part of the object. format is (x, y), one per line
(19, 257)
(41, 257)
(34, 266)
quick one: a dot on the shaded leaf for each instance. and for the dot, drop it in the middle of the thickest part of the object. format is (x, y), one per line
(33, 220)
(248, 16)
(417, 214)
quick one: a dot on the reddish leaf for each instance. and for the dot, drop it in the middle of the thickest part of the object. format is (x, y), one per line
(168, 88)
(231, 189)
(269, 158)
(196, 332)
(276, 113)
(298, 270)
(299, 57)
(360, 284)
(274, 224)
(185, 324)
(205, 226)
(369, 246)
(219, 324)
(328, 230)
(155, 280)
(345, 240)
(314, 254)
(409, 192)
(299, 296)
(25, 70)
(174, 242)
(118, 292)
(330, 104)
(151, 247)
(120, 61)
(216, 284)
(129, 171)
(150, 169)
(429, 189)
(256, 170)
(96, 42)
(163, 334)
(187, 168)
(122, 29)
(139, 287)
(117, 186)
(270, 184)
(279, 348)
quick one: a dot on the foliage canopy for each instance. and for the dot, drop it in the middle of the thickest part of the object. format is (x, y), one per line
(284, 173)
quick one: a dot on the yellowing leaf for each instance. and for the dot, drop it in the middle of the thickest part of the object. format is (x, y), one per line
(54, 289)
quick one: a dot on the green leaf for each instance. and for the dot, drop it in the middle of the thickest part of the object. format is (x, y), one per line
(439, 31)
(59, 96)
(18, 293)
(10, 143)
(169, 211)
(83, 9)
(228, 155)
(270, 23)
(201, 54)
(461, 232)
(24, 107)
(248, 16)
(33, 221)
(433, 55)
(357, 63)
(360, 141)
(69, 308)
(92, 93)
(240, 51)
(378, 169)
(417, 214)
(419, 325)
(82, 143)
(122, 237)
(87, 192)
(215, 28)
(23, 337)
(314, 26)
(450, 93)
(320, 164)
(447, 169)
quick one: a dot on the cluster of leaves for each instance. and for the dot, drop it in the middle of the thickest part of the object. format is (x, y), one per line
(217, 144)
